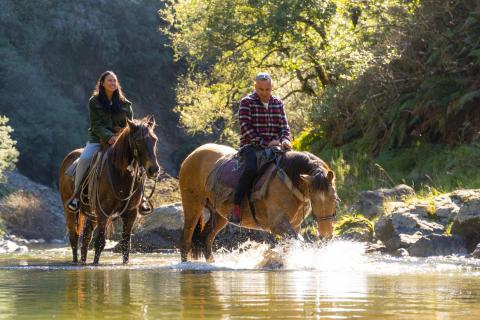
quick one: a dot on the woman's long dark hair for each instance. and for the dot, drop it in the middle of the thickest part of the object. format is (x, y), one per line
(118, 96)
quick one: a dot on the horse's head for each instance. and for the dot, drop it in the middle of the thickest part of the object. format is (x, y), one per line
(323, 196)
(143, 144)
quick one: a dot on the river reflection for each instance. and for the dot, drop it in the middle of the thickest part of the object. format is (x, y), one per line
(158, 287)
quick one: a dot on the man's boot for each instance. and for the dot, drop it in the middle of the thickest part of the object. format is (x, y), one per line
(235, 215)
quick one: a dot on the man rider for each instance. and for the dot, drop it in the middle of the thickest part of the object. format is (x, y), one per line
(263, 124)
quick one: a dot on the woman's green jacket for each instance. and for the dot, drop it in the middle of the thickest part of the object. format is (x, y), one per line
(104, 123)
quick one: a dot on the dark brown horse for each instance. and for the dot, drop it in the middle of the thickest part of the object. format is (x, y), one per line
(117, 190)
(281, 211)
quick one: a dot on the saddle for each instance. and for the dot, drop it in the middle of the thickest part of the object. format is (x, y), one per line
(224, 178)
(72, 168)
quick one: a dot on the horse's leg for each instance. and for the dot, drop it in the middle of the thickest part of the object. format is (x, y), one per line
(283, 228)
(128, 221)
(221, 222)
(192, 210)
(100, 240)
(86, 238)
(71, 221)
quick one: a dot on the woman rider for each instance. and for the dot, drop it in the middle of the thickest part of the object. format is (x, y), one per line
(108, 109)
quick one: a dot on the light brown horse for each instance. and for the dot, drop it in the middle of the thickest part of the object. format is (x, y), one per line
(280, 212)
(120, 186)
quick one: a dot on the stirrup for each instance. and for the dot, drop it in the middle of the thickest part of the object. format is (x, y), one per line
(73, 205)
(145, 208)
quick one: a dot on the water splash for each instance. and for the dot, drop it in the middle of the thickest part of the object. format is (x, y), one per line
(337, 256)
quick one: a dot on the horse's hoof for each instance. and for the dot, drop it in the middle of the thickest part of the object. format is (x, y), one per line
(210, 260)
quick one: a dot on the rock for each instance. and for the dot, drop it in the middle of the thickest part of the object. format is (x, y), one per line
(445, 207)
(31, 210)
(370, 203)
(163, 227)
(159, 230)
(467, 221)
(476, 252)
(400, 252)
(357, 234)
(7, 246)
(354, 227)
(375, 247)
(402, 228)
(438, 245)
(169, 217)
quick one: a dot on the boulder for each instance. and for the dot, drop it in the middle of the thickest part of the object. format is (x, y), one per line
(31, 210)
(7, 246)
(159, 230)
(400, 252)
(403, 228)
(467, 222)
(438, 245)
(163, 227)
(476, 252)
(370, 203)
(445, 207)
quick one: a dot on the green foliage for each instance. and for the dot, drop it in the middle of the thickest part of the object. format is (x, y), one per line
(431, 169)
(306, 46)
(8, 152)
(51, 54)
(426, 94)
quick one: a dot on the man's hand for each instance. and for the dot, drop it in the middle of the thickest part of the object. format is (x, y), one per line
(112, 139)
(286, 145)
(274, 143)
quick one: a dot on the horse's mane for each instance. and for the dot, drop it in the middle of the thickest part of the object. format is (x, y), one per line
(120, 153)
(296, 163)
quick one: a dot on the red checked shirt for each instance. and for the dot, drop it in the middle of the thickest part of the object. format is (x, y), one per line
(259, 125)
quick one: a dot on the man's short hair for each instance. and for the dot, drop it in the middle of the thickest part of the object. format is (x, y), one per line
(261, 76)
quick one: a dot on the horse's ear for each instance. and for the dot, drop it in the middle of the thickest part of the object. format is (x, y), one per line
(330, 176)
(151, 121)
(131, 124)
(307, 178)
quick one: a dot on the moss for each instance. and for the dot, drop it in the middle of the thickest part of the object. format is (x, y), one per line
(448, 228)
(350, 223)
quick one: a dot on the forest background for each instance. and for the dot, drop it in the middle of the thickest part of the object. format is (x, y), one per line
(387, 91)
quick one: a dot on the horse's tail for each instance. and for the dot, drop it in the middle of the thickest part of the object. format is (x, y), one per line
(198, 239)
(109, 228)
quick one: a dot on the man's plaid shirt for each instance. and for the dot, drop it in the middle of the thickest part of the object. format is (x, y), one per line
(260, 125)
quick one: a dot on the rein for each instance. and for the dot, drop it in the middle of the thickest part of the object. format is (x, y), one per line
(138, 174)
(307, 203)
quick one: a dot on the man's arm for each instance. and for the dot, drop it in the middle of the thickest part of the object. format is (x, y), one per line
(285, 134)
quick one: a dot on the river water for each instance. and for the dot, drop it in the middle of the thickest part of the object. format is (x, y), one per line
(298, 281)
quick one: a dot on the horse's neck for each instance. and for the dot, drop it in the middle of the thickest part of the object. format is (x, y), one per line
(294, 175)
(119, 155)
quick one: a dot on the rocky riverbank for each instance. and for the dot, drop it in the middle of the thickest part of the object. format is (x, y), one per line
(403, 224)
(393, 221)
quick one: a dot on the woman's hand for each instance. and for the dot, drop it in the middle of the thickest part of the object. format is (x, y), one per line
(112, 139)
